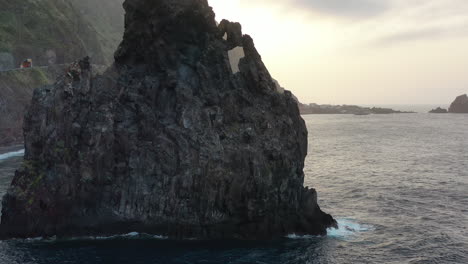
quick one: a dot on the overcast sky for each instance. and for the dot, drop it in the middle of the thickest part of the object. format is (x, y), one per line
(360, 51)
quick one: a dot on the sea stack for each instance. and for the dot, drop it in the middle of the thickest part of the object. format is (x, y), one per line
(460, 105)
(168, 141)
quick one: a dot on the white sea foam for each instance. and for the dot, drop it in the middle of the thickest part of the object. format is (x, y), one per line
(8, 155)
(347, 229)
(131, 235)
(294, 236)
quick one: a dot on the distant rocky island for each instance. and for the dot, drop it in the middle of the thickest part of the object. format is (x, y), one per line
(171, 140)
(309, 109)
(459, 106)
(438, 110)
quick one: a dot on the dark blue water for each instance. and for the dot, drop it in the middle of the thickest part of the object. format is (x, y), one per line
(398, 185)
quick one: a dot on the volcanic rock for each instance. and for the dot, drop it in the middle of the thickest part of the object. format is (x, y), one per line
(168, 141)
(460, 105)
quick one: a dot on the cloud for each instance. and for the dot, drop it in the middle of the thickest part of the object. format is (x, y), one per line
(375, 22)
(423, 34)
(346, 8)
(411, 35)
(424, 20)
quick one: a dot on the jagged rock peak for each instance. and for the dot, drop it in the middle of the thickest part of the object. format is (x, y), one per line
(152, 27)
(164, 34)
(170, 141)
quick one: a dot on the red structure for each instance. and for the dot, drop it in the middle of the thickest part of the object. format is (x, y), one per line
(26, 64)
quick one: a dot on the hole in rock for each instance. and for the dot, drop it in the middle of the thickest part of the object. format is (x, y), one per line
(235, 55)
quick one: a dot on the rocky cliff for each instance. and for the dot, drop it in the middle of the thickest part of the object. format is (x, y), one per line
(460, 105)
(169, 141)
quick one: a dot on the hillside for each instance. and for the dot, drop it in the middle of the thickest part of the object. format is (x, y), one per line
(47, 31)
(107, 19)
(16, 90)
(51, 32)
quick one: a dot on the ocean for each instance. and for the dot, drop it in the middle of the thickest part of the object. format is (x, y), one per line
(397, 184)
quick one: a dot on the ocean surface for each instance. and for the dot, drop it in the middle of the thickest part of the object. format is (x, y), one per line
(397, 184)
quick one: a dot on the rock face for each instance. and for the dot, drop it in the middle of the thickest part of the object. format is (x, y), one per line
(460, 105)
(169, 141)
(438, 110)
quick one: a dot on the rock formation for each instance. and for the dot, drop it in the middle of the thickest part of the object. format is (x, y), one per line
(438, 110)
(460, 105)
(168, 141)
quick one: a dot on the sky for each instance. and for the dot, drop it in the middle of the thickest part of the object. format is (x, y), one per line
(368, 52)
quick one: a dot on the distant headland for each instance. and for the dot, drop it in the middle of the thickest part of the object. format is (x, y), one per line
(311, 109)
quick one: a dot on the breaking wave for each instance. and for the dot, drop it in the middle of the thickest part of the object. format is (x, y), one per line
(8, 155)
(347, 229)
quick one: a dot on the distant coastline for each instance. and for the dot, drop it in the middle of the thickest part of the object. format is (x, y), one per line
(316, 109)
(398, 108)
